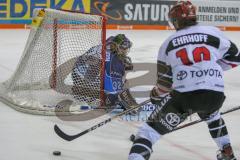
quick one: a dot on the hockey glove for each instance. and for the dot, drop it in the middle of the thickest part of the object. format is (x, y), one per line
(157, 94)
(128, 63)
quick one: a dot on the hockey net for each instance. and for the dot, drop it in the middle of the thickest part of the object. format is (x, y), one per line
(44, 76)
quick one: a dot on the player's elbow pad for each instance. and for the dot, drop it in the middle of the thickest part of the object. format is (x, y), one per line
(229, 62)
(231, 58)
(225, 65)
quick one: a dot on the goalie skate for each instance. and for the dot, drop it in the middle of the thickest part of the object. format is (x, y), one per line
(226, 153)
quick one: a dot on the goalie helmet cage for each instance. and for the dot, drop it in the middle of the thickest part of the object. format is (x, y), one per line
(43, 80)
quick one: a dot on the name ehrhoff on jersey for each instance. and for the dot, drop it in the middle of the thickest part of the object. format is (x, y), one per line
(192, 38)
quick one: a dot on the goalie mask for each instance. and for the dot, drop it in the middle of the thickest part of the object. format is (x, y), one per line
(182, 15)
(119, 44)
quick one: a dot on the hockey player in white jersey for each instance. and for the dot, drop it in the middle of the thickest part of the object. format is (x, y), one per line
(190, 78)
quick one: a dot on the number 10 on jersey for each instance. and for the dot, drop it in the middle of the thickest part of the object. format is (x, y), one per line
(199, 54)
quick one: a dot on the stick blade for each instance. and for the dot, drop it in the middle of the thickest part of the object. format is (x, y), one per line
(63, 135)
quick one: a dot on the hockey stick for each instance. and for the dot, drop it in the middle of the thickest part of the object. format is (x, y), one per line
(132, 137)
(200, 120)
(67, 137)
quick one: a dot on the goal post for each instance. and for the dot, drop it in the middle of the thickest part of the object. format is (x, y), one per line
(44, 76)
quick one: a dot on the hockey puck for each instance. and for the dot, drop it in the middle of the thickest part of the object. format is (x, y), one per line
(56, 153)
(132, 137)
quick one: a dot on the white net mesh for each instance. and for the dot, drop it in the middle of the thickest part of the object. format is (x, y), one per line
(45, 75)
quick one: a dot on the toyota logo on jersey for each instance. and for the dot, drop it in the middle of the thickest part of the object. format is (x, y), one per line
(172, 119)
(181, 75)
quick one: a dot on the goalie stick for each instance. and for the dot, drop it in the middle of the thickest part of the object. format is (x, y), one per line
(67, 137)
(132, 137)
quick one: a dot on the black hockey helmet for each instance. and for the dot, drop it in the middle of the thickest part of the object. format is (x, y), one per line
(182, 15)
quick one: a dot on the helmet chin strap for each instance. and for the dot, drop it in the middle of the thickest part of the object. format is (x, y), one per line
(171, 25)
(175, 25)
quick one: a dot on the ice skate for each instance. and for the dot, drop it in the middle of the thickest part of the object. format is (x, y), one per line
(226, 153)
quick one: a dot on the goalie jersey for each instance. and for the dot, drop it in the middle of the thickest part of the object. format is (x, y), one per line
(114, 74)
(114, 69)
(197, 56)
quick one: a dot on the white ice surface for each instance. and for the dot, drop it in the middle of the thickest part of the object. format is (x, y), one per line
(30, 137)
